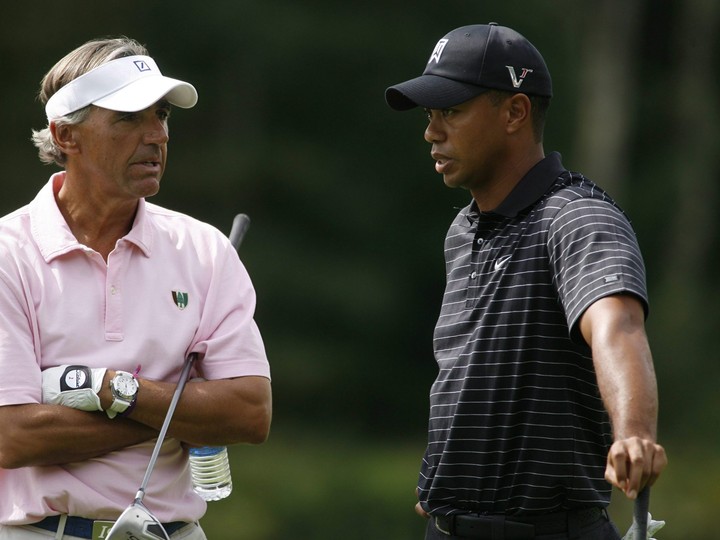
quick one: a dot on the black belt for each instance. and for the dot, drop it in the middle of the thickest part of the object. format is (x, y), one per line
(83, 528)
(515, 527)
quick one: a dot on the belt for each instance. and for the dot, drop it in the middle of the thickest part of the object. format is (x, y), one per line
(499, 527)
(83, 528)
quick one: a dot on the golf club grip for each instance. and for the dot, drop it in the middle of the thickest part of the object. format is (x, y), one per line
(640, 514)
(166, 423)
(239, 228)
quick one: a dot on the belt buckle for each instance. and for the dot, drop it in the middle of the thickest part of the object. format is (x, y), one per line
(101, 529)
(449, 519)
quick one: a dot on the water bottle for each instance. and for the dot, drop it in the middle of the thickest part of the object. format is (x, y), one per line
(210, 472)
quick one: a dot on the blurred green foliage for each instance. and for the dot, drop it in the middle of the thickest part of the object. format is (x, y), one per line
(348, 220)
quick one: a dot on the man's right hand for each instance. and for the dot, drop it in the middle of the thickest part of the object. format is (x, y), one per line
(73, 386)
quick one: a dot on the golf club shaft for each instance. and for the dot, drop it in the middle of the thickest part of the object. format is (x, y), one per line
(640, 514)
(163, 430)
(239, 228)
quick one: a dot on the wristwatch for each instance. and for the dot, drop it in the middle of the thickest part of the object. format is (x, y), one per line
(124, 387)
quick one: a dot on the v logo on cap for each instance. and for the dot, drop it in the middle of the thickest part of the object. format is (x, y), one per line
(516, 82)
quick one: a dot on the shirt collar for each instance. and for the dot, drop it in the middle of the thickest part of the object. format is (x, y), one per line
(528, 190)
(532, 186)
(53, 235)
(141, 233)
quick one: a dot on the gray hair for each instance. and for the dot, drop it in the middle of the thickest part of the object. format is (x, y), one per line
(83, 59)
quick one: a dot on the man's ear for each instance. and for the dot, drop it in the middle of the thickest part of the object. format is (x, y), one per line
(64, 137)
(518, 107)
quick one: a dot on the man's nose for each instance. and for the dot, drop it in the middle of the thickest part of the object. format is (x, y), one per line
(157, 132)
(433, 132)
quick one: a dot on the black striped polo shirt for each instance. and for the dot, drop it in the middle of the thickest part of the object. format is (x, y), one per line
(517, 424)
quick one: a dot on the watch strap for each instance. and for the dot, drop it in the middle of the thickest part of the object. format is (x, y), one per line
(118, 406)
(121, 406)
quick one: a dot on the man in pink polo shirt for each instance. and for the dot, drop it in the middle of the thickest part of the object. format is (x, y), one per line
(93, 276)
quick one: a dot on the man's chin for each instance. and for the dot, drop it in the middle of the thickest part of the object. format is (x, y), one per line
(147, 187)
(453, 182)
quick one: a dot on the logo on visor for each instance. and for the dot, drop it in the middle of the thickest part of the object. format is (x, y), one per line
(142, 65)
(180, 298)
(437, 53)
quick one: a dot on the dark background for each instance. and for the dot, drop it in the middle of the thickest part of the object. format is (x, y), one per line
(348, 217)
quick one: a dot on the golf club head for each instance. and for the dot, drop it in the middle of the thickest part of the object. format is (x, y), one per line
(137, 523)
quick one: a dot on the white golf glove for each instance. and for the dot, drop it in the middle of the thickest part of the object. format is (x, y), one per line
(73, 386)
(652, 527)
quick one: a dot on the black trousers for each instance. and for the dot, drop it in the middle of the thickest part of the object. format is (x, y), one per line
(603, 529)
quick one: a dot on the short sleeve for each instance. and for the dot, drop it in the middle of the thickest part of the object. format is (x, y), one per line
(593, 253)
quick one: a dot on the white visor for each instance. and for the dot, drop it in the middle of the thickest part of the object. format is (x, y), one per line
(128, 84)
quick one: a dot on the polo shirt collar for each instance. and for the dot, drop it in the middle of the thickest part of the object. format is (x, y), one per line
(528, 190)
(141, 233)
(53, 235)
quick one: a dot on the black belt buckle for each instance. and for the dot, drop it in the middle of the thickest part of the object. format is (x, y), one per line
(445, 524)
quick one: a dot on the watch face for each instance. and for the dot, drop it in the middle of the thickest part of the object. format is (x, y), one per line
(125, 385)
(75, 378)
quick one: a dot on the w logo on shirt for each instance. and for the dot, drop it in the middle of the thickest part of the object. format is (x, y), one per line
(180, 298)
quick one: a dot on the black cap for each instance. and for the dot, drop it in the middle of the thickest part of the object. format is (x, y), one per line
(469, 61)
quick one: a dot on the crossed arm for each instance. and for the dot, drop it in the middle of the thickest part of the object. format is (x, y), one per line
(227, 411)
(614, 327)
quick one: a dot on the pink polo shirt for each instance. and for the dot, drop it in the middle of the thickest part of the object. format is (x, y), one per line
(172, 286)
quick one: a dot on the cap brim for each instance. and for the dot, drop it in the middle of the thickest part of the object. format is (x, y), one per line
(142, 93)
(430, 92)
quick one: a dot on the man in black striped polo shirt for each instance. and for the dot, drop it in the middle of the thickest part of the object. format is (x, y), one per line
(546, 394)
